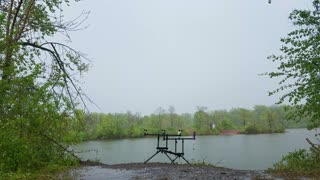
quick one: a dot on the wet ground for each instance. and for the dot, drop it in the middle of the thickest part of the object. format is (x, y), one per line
(160, 171)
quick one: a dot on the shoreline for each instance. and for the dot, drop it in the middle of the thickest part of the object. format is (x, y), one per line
(95, 170)
(198, 134)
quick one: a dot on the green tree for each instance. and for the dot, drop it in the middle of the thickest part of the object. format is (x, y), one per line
(299, 65)
(37, 84)
(244, 116)
(270, 117)
(226, 124)
(201, 118)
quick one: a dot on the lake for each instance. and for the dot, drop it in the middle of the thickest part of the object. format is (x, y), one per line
(256, 152)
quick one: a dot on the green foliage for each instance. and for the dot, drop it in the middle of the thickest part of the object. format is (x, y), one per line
(52, 172)
(251, 130)
(128, 125)
(24, 127)
(299, 66)
(37, 87)
(261, 119)
(202, 163)
(299, 162)
(202, 120)
(226, 124)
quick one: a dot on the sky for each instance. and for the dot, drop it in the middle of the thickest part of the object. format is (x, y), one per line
(185, 53)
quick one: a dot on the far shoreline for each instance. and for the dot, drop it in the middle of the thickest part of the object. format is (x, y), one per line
(198, 134)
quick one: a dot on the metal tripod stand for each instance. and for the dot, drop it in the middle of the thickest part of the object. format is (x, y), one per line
(165, 150)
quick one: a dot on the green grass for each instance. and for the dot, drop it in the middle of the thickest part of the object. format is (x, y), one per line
(47, 173)
(203, 163)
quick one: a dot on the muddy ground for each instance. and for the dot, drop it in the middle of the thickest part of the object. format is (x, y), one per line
(160, 171)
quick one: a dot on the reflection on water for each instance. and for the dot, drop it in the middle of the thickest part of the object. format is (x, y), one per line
(237, 151)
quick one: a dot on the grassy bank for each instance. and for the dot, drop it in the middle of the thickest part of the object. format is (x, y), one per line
(46, 173)
(300, 163)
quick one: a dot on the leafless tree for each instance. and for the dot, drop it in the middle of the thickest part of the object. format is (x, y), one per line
(171, 114)
(160, 112)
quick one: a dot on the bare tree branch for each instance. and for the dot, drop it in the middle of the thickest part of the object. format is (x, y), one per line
(57, 59)
(62, 147)
(313, 145)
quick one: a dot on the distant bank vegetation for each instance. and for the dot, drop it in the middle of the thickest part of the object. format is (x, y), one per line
(261, 119)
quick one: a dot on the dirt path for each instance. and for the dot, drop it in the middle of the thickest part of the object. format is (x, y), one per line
(160, 171)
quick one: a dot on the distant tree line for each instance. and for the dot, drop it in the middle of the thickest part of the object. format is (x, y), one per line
(261, 119)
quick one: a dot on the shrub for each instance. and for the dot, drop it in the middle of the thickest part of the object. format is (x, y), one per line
(251, 130)
(301, 162)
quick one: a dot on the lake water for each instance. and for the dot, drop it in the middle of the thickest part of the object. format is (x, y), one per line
(236, 151)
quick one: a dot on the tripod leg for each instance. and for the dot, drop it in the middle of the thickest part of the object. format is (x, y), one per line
(151, 157)
(174, 159)
(185, 159)
(168, 156)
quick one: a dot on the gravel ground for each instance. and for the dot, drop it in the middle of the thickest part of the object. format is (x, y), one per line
(160, 171)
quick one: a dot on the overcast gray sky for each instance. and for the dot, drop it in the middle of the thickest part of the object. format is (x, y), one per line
(185, 53)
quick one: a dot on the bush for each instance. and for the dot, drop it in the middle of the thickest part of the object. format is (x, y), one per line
(251, 130)
(258, 130)
(29, 154)
(302, 162)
